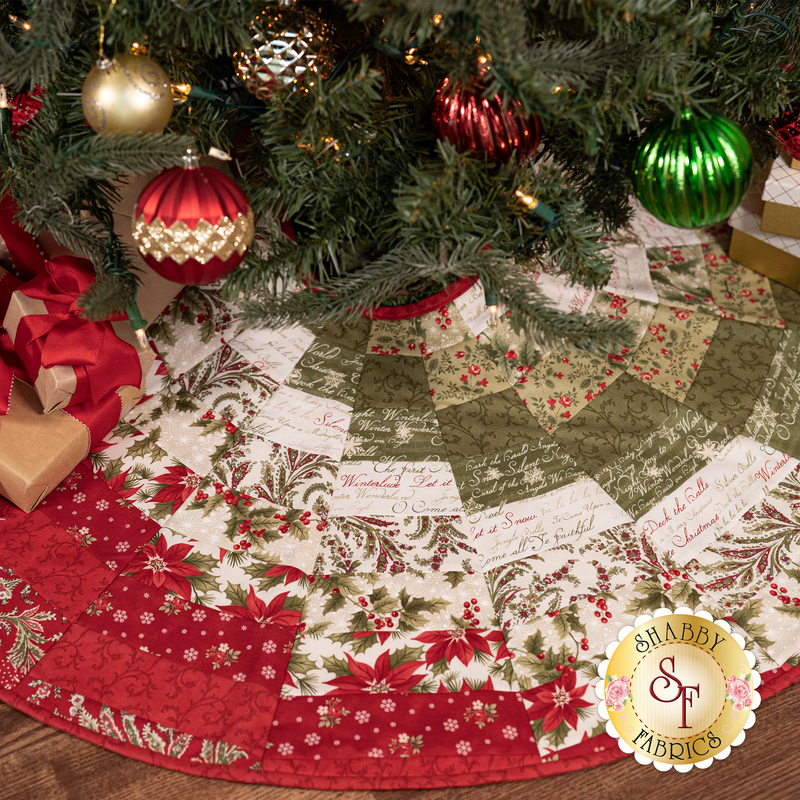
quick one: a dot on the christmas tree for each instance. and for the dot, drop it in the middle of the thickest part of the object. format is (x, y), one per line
(340, 117)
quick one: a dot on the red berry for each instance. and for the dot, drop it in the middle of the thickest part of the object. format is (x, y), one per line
(773, 586)
(540, 656)
(395, 613)
(604, 620)
(571, 659)
(597, 614)
(584, 647)
(466, 604)
(559, 667)
(667, 585)
(334, 591)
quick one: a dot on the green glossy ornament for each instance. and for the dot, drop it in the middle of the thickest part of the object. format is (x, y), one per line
(692, 174)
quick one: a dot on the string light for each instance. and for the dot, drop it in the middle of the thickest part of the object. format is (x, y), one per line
(180, 92)
(491, 307)
(5, 112)
(529, 201)
(138, 324)
(20, 23)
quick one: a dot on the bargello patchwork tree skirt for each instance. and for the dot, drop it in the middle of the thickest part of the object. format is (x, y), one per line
(391, 554)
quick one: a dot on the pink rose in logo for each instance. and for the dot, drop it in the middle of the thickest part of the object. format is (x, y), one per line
(739, 691)
(617, 692)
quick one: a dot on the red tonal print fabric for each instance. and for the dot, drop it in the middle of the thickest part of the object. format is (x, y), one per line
(191, 635)
(201, 703)
(406, 725)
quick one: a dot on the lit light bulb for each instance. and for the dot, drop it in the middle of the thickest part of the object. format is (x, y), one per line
(180, 92)
(529, 201)
(20, 23)
(5, 112)
(141, 337)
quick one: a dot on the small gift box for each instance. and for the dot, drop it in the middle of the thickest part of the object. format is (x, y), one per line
(773, 255)
(70, 359)
(37, 450)
(781, 196)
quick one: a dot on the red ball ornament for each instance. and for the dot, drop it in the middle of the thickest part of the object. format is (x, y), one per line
(471, 122)
(787, 130)
(193, 225)
(24, 107)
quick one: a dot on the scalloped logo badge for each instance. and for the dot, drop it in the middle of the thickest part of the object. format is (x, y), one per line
(678, 690)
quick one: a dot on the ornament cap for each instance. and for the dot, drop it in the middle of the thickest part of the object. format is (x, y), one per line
(190, 159)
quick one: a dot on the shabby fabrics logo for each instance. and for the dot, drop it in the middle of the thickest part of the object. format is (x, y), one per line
(679, 689)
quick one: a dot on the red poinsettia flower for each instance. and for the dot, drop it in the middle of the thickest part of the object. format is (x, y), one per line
(458, 644)
(292, 573)
(556, 701)
(163, 567)
(179, 482)
(378, 679)
(257, 610)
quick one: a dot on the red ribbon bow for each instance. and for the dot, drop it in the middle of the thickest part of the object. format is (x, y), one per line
(102, 362)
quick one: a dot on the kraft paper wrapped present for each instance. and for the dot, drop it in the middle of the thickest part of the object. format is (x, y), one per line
(781, 196)
(773, 255)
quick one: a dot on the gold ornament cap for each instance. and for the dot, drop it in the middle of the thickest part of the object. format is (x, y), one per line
(678, 689)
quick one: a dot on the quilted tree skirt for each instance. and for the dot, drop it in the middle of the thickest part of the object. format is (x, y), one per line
(391, 554)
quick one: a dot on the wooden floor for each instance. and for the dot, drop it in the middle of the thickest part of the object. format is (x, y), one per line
(39, 763)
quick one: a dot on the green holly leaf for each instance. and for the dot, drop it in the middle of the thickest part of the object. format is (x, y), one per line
(208, 506)
(454, 578)
(654, 596)
(359, 622)
(568, 621)
(201, 584)
(317, 629)
(598, 729)
(791, 611)
(439, 667)
(300, 664)
(405, 654)
(338, 666)
(503, 669)
(157, 511)
(147, 446)
(534, 644)
(203, 562)
(113, 468)
(362, 644)
(558, 736)
(416, 609)
(684, 593)
(752, 608)
(236, 594)
(334, 603)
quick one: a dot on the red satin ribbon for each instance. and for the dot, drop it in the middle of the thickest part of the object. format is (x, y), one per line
(102, 362)
(25, 254)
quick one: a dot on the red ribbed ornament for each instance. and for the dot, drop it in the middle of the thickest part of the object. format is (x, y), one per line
(472, 123)
(193, 225)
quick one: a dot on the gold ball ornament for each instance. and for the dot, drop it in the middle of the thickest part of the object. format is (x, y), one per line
(127, 94)
(291, 46)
